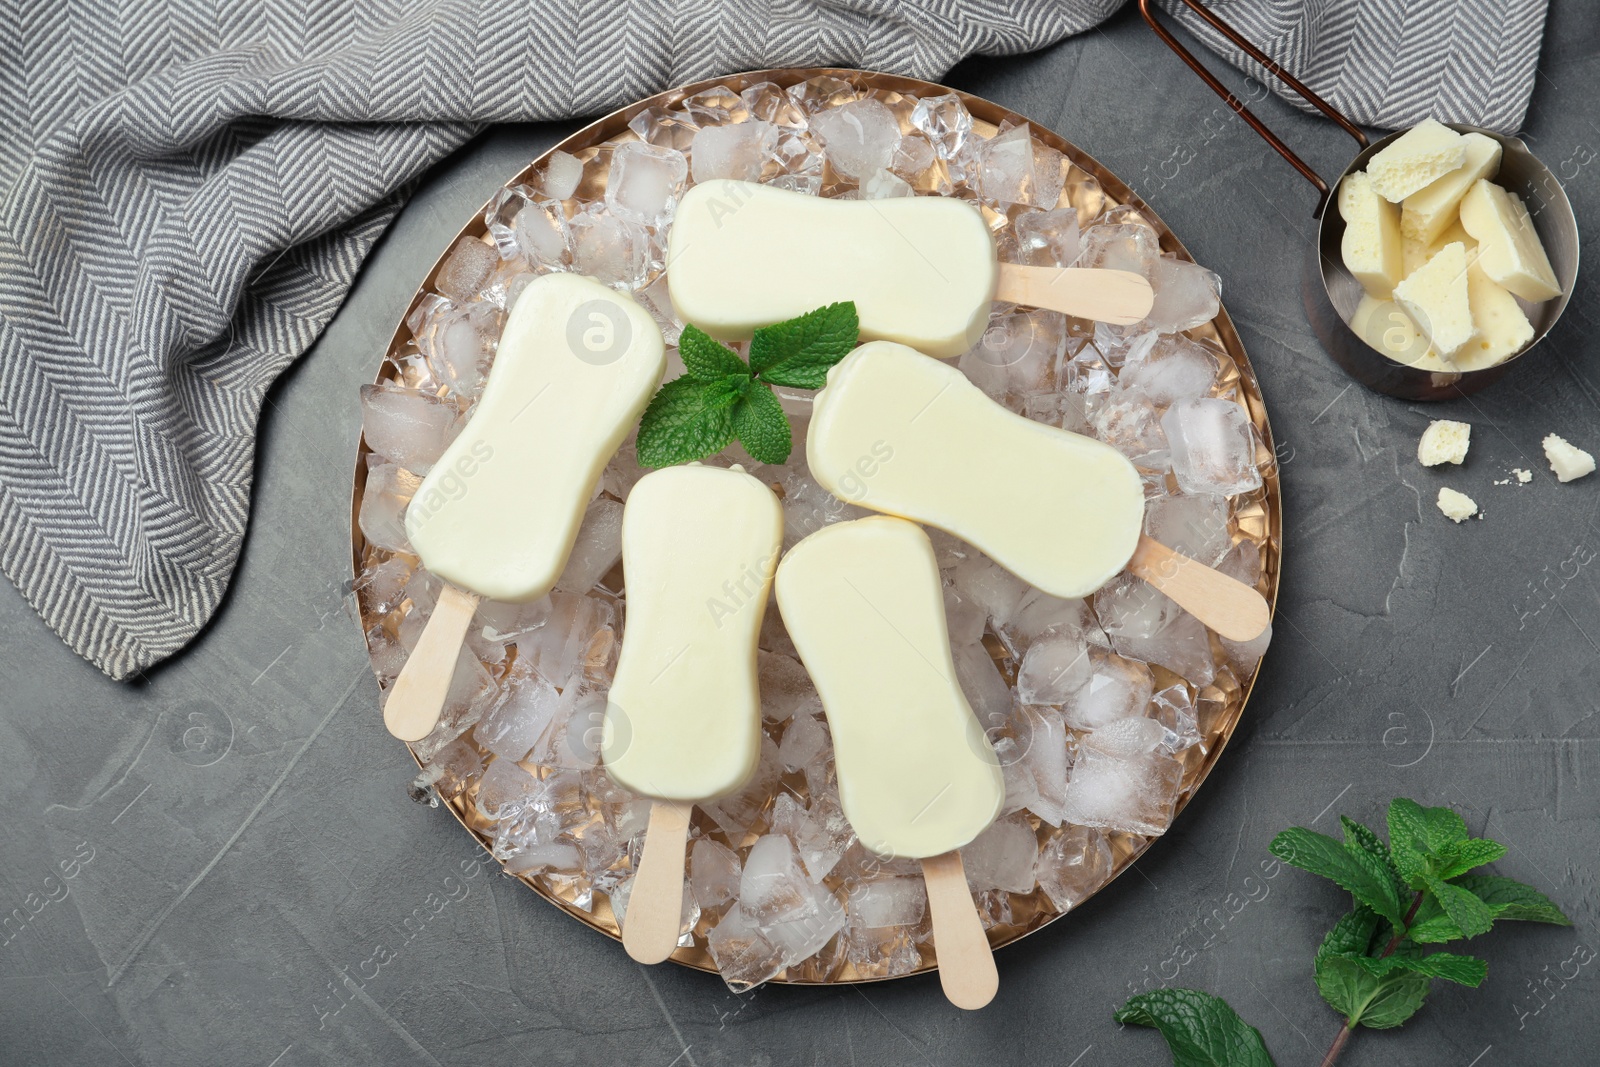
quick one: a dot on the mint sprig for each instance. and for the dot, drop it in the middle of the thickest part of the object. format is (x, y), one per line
(1415, 890)
(720, 397)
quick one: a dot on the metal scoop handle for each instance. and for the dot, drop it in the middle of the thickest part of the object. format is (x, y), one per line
(1146, 9)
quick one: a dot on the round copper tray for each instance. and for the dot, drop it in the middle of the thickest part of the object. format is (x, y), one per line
(1258, 516)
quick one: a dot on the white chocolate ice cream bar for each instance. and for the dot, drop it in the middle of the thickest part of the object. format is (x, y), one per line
(499, 512)
(863, 605)
(683, 718)
(921, 270)
(909, 436)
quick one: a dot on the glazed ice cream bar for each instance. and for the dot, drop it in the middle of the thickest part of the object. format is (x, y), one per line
(576, 365)
(863, 605)
(921, 270)
(699, 545)
(899, 433)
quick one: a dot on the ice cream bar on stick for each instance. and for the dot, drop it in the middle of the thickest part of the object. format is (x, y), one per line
(498, 514)
(921, 269)
(683, 717)
(917, 777)
(1063, 512)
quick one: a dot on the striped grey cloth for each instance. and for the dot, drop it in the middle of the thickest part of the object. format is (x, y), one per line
(189, 187)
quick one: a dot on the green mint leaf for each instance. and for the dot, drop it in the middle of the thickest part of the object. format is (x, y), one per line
(800, 351)
(1365, 998)
(1351, 867)
(762, 427)
(706, 358)
(1467, 855)
(1419, 836)
(688, 419)
(1362, 837)
(1351, 935)
(1201, 1030)
(1470, 914)
(1463, 970)
(1434, 927)
(1508, 898)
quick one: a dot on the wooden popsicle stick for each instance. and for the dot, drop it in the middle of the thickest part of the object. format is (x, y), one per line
(412, 710)
(966, 964)
(655, 904)
(1224, 604)
(1119, 297)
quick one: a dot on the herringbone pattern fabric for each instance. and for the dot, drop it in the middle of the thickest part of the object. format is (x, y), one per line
(188, 187)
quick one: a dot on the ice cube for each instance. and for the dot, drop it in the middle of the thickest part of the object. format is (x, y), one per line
(769, 103)
(1120, 246)
(383, 504)
(963, 618)
(1114, 688)
(561, 175)
(785, 686)
(859, 137)
(804, 738)
(557, 646)
(743, 957)
(540, 233)
(644, 182)
(1002, 857)
(985, 583)
(1213, 446)
(802, 936)
(1123, 779)
(1181, 645)
(456, 341)
(1038, 614)
(883, 185)
(448, 774)
(738, 151)
(1170, 368)
(1048, 762)
(822, 92)
(1021, 790)
(1186, 295)
(506, 790)
(610, 249)
(800, 157)
(1129, 421)
(1016, 169)
(1131, 607)
(914, 156)
(773, 887)
(381, 588)
(597, 549)
(1173, 708)
(466, 270)
(519, 716)
(559, 855)
(664, 128)
(1193, 524)
(1048, 238)
(985, 688)
(944, 120)
(406, 426)
(737, 812)
(881, 902)
(1017, 354)
(1053, 669)
(881, 952)
(1075, 864)
(715, 106)
(714, 873)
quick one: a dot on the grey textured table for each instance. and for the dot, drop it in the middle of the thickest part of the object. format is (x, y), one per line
(250, 884)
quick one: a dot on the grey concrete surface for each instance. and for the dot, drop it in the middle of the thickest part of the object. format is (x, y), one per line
(240, 843)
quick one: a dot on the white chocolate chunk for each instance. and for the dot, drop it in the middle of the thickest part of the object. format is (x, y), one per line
(1443, 442)
(1500, 327)
(1522, 476)
(863, 604)
(1385, 326)
(1509, 249)
(1416, 159)
(921, 269)
(576, 365)
(683, 716)
(1566, 459)
(902, 434)
(1429, 211)
(1457, 507)
(1435, 296)
(1370, 246)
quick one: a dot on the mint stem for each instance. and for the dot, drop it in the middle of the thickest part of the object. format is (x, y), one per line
(1343, 1036)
